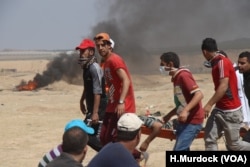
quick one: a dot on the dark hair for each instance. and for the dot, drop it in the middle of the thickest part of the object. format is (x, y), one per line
(126, 135)
(245, 54)
(106, 42)
(74, 141)
(209, 44)
(171, 57)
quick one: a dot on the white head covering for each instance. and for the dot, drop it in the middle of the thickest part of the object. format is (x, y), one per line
(112, 43)
(129, 122)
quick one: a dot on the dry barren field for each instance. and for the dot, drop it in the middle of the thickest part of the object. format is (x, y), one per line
(32, 122)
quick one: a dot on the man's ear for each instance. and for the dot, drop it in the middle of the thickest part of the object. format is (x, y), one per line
(171, 64)
(83, 153)
(85, 149)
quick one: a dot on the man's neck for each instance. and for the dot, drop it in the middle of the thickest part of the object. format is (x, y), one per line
(107, 56)
(173, 72)
(213, 55)
(128, 145)
(77, 158)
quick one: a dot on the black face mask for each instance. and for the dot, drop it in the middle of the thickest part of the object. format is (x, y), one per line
(207, 64)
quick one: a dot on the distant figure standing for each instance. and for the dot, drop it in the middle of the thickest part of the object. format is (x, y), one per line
(226, 100)
(119, 88)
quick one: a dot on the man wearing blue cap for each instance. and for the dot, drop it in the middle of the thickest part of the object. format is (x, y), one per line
(73, 148)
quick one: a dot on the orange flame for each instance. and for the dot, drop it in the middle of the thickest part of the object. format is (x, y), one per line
(31, 85)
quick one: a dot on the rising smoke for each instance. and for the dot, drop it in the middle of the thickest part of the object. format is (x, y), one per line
(64, 67)
(142, 30)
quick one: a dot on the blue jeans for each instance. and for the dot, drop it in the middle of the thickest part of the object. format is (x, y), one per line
(185, 134)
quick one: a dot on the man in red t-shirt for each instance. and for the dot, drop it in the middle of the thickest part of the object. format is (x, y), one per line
(226, 100)
(187, 96)
(118, 85)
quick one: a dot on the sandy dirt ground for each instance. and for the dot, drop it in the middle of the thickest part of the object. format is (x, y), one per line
(32, 122)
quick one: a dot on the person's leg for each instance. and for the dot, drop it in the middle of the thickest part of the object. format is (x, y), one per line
(94, 140)
(109, 128)
(185, 134)
(231, 122)
(102, 109)
(212, 131)
(104, 128)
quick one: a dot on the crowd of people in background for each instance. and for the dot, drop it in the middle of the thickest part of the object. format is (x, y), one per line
(112, 128)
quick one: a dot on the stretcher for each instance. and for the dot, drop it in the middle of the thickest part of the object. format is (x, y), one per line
(170, 133)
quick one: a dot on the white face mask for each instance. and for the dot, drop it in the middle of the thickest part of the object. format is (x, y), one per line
(166, 70)
(162, 69)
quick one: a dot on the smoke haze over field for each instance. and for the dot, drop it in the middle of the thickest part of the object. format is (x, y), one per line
(142, 28)
(174, 23)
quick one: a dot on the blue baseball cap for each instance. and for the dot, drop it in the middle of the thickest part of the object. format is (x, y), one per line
(79, 123)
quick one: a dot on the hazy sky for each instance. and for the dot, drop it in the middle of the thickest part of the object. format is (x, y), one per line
(45, 24)
(135, 25)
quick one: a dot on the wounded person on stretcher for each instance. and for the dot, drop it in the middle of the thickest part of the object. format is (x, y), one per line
(156, 125)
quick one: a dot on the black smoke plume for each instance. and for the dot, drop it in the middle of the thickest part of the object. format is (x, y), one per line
(64, 67)
(142, 30)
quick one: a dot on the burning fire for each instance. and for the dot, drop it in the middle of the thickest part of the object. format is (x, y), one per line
(31, 85)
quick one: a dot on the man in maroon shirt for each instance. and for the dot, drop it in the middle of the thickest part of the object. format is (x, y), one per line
(187, 96)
